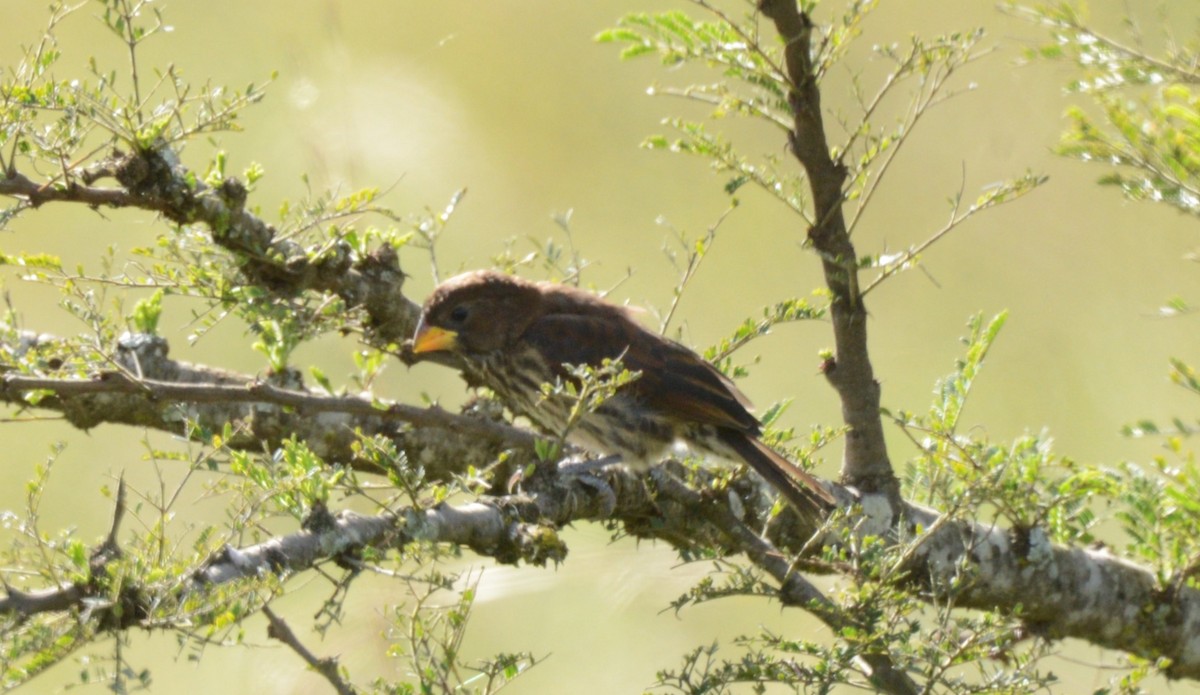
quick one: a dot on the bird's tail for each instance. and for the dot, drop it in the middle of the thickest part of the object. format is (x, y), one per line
(799, 488)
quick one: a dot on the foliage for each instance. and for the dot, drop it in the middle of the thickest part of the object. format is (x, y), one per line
(1149, 130)
(430, 635)
(75, 131)
(1143, 127)
(285, 283)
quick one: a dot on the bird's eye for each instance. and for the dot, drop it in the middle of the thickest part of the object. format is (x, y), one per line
(459, 314)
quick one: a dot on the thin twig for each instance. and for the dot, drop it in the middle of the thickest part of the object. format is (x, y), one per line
(695, 257)
(327, 667)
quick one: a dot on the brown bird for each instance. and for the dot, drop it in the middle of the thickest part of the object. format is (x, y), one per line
(514, 335)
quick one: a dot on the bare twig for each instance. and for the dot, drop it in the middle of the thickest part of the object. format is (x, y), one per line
(278, 628)
(695, 256)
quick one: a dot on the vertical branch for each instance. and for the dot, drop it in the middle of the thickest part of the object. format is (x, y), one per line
(865, 464)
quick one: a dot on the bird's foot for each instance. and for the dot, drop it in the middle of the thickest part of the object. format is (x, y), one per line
(585, 471)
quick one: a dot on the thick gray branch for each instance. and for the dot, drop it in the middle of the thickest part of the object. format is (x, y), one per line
(1084, 593)
(55, 599)
(1063, 592)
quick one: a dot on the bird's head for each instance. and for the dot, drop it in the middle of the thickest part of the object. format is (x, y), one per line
(476, 312)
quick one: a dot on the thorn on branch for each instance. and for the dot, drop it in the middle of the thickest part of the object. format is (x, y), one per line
(110, 548)
(131, 607)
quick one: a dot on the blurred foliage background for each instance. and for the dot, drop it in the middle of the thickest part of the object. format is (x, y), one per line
(515, 103)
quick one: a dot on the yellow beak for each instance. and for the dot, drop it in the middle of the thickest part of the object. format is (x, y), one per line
(433, 339)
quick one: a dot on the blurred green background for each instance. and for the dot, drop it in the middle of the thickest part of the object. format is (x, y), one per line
(516, 103)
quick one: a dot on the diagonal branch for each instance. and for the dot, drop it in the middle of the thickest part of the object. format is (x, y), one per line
(794, 589)
(277, 628)
(1085, 593)
(154, 180)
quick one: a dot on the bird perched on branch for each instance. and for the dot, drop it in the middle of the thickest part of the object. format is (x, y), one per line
(514, 335)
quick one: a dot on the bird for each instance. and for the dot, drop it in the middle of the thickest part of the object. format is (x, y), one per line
(513, 335)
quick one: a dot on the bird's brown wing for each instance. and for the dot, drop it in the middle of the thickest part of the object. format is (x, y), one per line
(677, 381)
(673, 379)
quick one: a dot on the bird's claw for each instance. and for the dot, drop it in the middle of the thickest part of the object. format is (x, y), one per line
(584, 470)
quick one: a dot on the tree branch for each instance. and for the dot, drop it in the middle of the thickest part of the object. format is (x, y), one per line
(1063, 592)
(277, 628)
(865, 464)
(794, 589)
(149, 389)
(155, 180)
